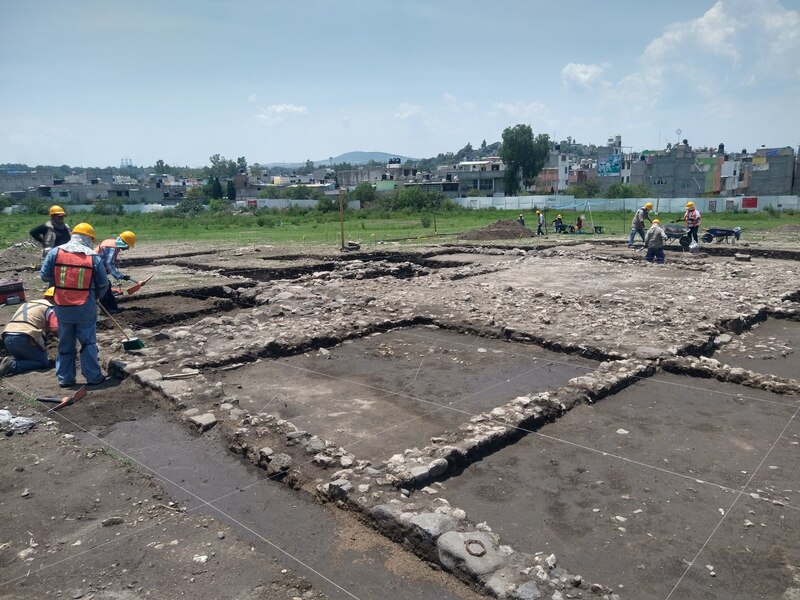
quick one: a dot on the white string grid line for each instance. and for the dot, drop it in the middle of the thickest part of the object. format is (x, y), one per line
(440, 407)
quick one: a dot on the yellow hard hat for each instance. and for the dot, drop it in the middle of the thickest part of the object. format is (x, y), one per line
(538, 213)
(558, 216)
(648, 205)
(56, 211)
(84, 229)
(50, 292)
(690, 204)
(656, 221)
(129, 238)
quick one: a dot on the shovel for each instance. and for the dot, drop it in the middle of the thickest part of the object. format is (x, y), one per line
(137, 286)
(130, 343)
(66, 400)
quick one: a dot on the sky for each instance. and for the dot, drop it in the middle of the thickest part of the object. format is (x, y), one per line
(92, 82)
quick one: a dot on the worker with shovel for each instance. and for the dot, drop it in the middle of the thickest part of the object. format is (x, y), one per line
(25, 336)
(79, 277)
(637, 224)
(109, 251)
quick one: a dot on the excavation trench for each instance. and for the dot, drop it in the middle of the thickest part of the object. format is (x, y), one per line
(349, 559)
(380, 394)
(170, 308)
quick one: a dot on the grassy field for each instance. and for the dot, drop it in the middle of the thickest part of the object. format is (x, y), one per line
(362, 226)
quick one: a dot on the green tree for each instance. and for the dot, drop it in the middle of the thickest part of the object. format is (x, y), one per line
(364, 192)
(189, 207)
(308, 168)
(215, 189)
(327, 204)
(523, 155)
(195, 192)
(231, 191)
(5, 201)
(466, 153)
(223, 168)
(241, 164)
(588, 189)
(626, 190)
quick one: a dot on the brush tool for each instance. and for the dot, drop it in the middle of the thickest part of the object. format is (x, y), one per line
(130, 343)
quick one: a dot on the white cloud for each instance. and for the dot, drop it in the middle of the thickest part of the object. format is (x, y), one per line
(716, 32)
(521, 110)
(583, 75)
(252, 98)
(278, 113)
(454, 104)
(407, 111)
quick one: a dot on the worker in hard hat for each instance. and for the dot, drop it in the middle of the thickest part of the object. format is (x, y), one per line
(25, 336)
(558, 224)
(521, 219)
(52, 233)
(109, 251)
(692, 218)
(79, 277)
(539, 223)
(654, 242)
(637, 224)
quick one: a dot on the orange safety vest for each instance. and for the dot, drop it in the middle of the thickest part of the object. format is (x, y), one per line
(692, 218)
(72, 276)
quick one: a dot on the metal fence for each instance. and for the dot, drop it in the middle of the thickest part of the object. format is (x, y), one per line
(710, 205)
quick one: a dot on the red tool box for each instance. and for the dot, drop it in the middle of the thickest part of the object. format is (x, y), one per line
(11, 291)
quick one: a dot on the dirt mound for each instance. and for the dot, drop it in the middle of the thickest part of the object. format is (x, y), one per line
(20, 255)
(788, 228)
(504, 229)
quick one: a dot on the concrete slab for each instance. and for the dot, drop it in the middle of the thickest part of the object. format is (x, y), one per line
(617, 490)
(388, 392)
(770, 347)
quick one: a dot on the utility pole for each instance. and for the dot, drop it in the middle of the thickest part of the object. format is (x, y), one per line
(341, 214)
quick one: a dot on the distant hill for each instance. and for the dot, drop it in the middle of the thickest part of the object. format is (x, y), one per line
(354, 158)
(361, 158)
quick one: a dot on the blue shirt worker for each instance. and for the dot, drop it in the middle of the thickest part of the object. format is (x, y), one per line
(109, 251)
(25, 336)
(637, 225)
(79, 277)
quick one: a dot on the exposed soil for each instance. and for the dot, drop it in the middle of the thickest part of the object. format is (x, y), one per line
(80, 522)
(351, 367)
(503, 229)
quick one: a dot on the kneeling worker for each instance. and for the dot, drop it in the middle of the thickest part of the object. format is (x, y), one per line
(654, 242)
(109, 251)
(25, 336)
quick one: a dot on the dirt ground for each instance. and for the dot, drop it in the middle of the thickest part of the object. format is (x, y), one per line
(286, 396)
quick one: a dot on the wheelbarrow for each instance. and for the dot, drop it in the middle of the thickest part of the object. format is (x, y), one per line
(680, 233)
(721, 234)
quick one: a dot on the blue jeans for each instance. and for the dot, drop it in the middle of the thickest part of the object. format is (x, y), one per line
(634, 231)
(657, 253)
(86, 335)
(27, 356)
